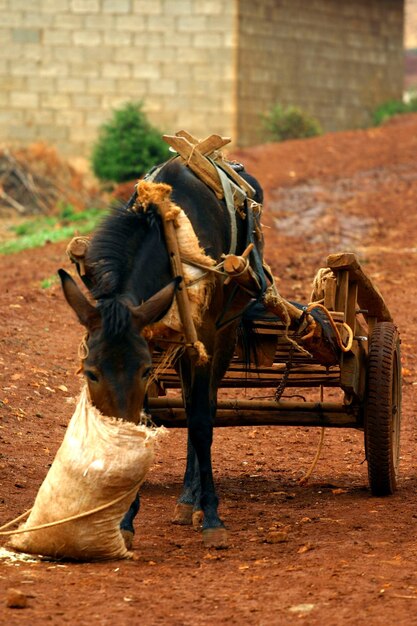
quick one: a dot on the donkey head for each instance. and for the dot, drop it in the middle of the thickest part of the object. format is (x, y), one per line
(117, 364)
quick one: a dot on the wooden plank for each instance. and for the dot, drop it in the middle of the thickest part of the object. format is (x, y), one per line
(330, 293)
(170, 413)
(187, 136)
(343, 261)
(194, 153)
(239, 371)
(260, 405)
(181, 295)
(351, 305)
(300, 367)
(201, 166)
(211, 144)
(369, 296)
(241, 182)
(266, 383)
(342, 288)
(206, 146)
(175, 418)
(241, 380)
(353, 371)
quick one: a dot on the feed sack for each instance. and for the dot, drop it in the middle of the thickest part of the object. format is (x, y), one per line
(100, 459)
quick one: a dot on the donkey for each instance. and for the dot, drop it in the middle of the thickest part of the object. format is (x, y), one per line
(130, 278)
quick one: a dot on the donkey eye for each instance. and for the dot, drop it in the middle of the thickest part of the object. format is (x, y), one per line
(91, 376)
(147, 372)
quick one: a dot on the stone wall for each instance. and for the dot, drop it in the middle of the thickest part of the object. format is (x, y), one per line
(204, 65)
(336, 60)
(65, 64)
(410, 28)
(410, 45)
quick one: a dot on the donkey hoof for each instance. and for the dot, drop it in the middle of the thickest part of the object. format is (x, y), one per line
(197, 519)
(183, 514)
(215, 538)
(128, 538)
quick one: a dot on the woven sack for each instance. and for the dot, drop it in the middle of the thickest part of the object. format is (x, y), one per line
(99, 460)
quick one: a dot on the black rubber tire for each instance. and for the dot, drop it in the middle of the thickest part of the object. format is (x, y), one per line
(383, 409)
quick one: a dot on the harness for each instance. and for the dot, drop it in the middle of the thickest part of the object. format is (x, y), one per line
(224, 180)
(235, 197)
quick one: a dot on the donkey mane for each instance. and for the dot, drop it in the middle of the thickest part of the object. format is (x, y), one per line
(111, 256)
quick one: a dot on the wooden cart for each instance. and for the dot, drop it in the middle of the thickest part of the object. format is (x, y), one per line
(368, 377)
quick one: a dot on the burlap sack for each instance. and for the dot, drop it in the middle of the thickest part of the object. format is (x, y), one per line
(100, 459)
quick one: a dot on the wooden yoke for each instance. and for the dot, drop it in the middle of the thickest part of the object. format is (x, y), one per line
(194, 154)
(183, 303)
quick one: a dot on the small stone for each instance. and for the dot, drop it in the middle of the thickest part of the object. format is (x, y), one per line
(301, 608)
(276, 536)
(16, 599)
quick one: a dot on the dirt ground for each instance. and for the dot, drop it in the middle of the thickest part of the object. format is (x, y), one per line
(348, 558)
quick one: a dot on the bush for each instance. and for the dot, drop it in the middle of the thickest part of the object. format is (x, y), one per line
(127, 146)
(394, 107)
(289, 123)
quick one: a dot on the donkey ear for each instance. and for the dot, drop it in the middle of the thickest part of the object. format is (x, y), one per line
(87, 314)
(156, 307)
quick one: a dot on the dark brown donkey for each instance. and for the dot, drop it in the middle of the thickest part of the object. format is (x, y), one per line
(131, 279)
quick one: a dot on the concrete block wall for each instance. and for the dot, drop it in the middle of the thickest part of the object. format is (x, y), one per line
(410, 29)
(65, 64)
(410, 45)
(203, 65)
(336, 60)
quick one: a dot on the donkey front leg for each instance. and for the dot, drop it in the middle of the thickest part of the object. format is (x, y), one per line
(188, 508)
(201, 408)
(126, 525)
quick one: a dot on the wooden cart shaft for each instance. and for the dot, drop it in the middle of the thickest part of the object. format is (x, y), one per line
(169, 412)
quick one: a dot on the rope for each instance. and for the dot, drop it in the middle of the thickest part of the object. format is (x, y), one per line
(283, 382)
(83, 352)
(17, 519)
(65, 520)
(247, 265)
(307, 475)
(274, 302)
(319, 282)
(191, 154)
(208, 268)
(344, 348)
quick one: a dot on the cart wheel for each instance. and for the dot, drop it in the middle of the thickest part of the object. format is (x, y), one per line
(383, 409)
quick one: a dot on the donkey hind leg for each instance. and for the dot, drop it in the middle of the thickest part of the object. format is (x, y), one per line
(126, 525)
(188, 508)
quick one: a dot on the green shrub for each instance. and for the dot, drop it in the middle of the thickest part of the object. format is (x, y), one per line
(291, 122)
(389, 109)
(49, 282)
(127, 146)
